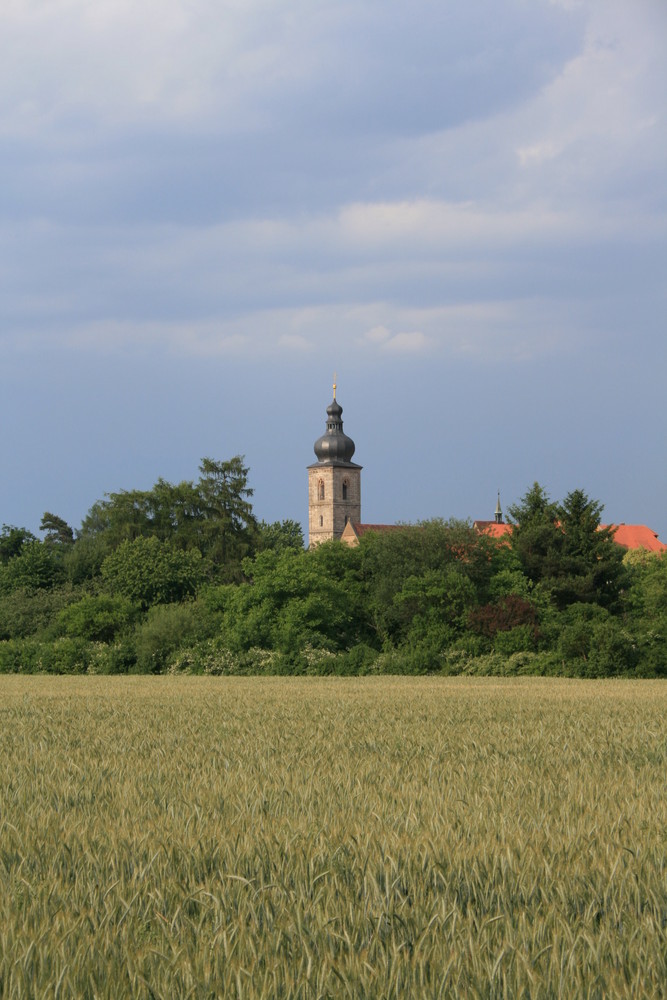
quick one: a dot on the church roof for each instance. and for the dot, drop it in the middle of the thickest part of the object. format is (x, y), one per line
(495, 529)
(637, 536)
(630, 536)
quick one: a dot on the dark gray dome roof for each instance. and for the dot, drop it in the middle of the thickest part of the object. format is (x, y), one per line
(334, 445)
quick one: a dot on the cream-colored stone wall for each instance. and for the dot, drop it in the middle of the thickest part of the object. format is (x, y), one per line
(328, 516)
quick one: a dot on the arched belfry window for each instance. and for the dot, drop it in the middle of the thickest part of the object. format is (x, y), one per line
(320, 490)
(345, 486)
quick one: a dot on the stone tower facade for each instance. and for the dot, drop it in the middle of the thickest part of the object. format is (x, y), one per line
(334, 481)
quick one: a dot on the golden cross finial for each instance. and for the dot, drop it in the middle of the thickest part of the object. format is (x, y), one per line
(334, 387)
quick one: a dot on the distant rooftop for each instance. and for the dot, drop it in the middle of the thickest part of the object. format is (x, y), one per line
(630, 536)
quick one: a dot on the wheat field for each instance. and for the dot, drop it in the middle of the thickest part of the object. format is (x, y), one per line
(378, 837)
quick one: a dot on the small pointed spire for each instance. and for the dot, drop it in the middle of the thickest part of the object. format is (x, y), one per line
(334, 385)
(498, 512)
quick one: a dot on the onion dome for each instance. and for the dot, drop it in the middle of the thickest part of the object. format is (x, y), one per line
(334, 445)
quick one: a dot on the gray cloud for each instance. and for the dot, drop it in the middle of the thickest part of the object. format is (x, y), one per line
(404, 184)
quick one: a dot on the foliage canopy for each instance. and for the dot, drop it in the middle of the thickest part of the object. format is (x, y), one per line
(183, 576)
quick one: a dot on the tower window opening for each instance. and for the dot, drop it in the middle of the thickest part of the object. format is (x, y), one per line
(320, 490)
(321, 521)
(345, 485)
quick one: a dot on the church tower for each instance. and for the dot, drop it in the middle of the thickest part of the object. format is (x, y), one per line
(334, 481)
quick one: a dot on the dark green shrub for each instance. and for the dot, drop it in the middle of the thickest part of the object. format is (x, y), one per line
(33, 613)
(66, 656)
(612, 651)
(19, 656)
(165, 630)
(37, 567)
(357, 661)
(515, 640)
(98, 618)
(28, 656)
(147, 572)
(593, 643)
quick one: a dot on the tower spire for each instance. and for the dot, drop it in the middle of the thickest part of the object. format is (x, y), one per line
(498, 516)
(334, 386)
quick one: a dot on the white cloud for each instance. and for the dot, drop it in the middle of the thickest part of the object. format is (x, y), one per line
(232, 65)
(442, 241)
(406, 343)
(125, 61)
(195, 339)
(295, 342)
(538, 153)
(600, 118)
(516, 330)
(377, 335)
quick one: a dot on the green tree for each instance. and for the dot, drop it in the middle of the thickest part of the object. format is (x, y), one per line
(279, 535)
(98, 617)
(166, 628)
(647, 609)
(12, 541)
(26, 613)
(229, 526)
(36, 567)
(592, 643)
(57, 531)
(437, 600)
(591, 563)
(564, 548)
(429, 550)
(147, 571)
(82, 562)
(168, 512)
(536, 538)
(213, 515)
(296, 599)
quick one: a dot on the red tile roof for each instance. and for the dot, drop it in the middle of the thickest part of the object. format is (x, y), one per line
(636, 536)
(493, 529)
(630, 536)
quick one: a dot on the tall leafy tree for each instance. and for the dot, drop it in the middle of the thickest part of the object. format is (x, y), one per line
(536, 536)
(591, 567)
(228, 524)
(213, 515)
(564, 548)
(167, 512)
(57, 531)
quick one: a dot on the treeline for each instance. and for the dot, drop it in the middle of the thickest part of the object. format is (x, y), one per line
(184, 578)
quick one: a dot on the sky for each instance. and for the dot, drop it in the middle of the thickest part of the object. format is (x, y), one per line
(208, 207)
